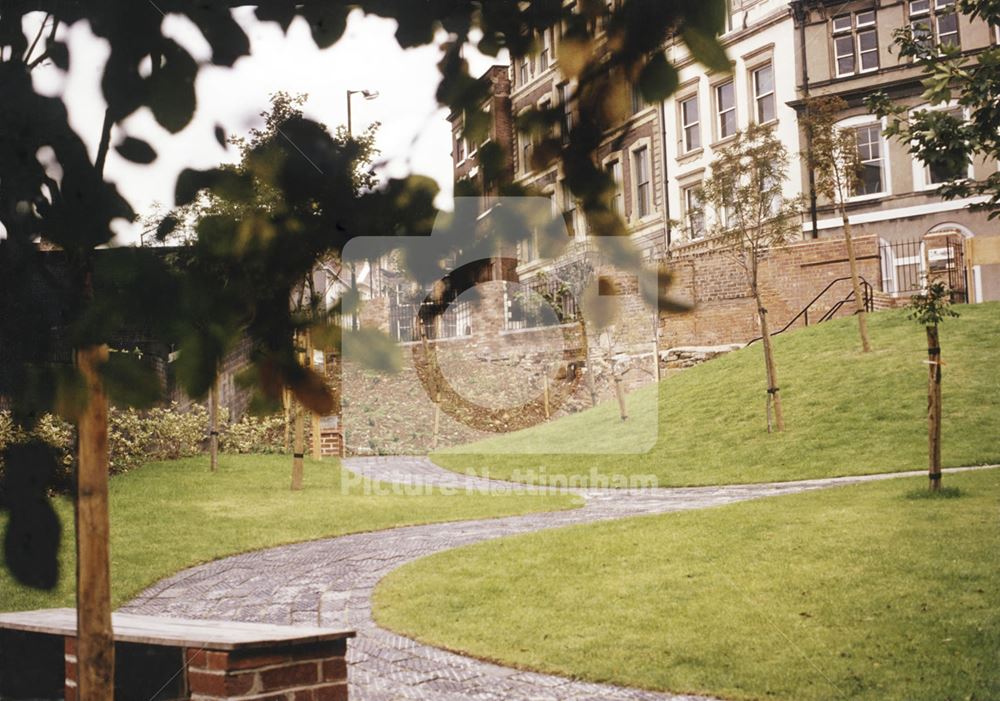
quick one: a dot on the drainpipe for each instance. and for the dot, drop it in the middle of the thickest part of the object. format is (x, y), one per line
(666, 171)
(800, 17)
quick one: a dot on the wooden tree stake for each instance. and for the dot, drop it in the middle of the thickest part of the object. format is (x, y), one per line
(95, 645)
(620, 393)
(934, 407)
(299, 448)
(437, 420)
(545, 393)
(213, 426)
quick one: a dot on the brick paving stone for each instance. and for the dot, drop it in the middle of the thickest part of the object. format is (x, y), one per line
(330, 582)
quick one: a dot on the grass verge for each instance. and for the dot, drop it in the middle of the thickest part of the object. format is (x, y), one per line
(171, 515)
(856, 592)
(846, 412)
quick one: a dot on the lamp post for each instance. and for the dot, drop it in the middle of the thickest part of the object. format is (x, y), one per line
(368, 95)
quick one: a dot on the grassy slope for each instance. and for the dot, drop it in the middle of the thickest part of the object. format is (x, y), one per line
(171, 515)
(846, 413)
(857, 592)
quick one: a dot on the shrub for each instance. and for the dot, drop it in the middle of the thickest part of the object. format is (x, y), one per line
(133, 437)
(253, 434)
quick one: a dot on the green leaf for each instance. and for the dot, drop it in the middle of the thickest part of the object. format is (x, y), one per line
(658, 79)
(373, 350)
(706, 48)
(59, 53)
(131, 381)
(326, 23)
(170, 89)
(136, 150)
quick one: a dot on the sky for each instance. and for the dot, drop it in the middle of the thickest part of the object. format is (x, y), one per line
(414, 138)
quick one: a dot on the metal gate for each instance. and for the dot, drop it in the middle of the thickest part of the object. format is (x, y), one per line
(907, 266)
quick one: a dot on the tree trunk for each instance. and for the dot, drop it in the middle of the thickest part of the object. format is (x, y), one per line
(286, 400)
(934, 408)
(95, 644)
(859, 301)
(772, 373)
(314, 422)
(213, 426)
(299, 448)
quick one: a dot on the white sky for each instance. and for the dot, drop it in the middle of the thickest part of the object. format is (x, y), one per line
(414, 137)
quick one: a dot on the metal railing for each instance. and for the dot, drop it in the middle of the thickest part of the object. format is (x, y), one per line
(867, 294)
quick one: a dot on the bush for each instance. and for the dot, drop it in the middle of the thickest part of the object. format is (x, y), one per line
(135, 437)
(253, 434)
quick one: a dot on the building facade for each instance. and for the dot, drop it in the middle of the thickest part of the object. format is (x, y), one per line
(846, 49)
(781, 54)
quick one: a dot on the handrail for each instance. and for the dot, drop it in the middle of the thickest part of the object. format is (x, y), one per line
(867, 293)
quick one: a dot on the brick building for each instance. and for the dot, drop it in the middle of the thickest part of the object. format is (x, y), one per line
(781, 53)
(846, 49)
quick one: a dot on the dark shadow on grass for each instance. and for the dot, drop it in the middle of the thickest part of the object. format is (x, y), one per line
(943, 493)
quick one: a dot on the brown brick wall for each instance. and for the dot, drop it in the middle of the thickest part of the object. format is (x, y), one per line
(790, 277)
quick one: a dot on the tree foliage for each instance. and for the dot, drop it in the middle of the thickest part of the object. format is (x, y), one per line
(52, 191)
(752, 215)
(963, 122)
(746, 192)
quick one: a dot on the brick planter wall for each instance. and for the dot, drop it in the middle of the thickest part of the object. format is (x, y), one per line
(311, 672)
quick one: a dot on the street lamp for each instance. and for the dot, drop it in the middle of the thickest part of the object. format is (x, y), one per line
(368, 95)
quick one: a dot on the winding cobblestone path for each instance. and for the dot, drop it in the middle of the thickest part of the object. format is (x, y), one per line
(330, 583)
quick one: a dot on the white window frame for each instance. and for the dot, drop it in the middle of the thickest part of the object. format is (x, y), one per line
(569, 205)
(547, 55)
(611, 163)
(642, 145)
(922, 171)
(687, 192)
(757, 97)
(854, 29)
(720, 113)
(932, 19)
(867, 29)
(461, 152)
(563, 97)
(865, 120)
(695, 126)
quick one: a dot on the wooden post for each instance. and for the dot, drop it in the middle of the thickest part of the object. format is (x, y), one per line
(934, 407)
(213, 425)
(656, 346)
(437, 420)
(545, 393)
(299, 448)
(286, 400)
(620, 393)
(95, 645)
(314, 422)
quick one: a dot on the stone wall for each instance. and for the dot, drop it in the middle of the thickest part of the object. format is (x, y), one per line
(491, 384)
(493, 379)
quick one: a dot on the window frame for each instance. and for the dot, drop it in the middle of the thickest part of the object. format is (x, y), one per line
(720, 112)
(867, 120)
(772, 95)
(931, 17)
(642, 207)
(921, 171)
(613, 165)
(695, 126)
(687, 192)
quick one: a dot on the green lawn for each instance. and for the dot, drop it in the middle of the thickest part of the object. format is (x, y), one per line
(859, 592)
(171, 515)
(846, 412)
